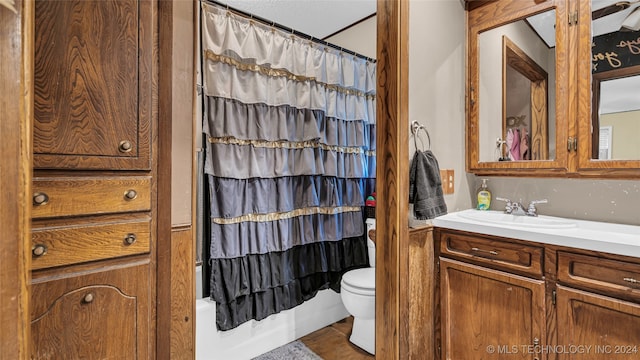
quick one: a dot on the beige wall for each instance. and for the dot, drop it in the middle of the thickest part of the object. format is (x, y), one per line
(436, 86)
(182, 127)
(360, 38)
(625, 129)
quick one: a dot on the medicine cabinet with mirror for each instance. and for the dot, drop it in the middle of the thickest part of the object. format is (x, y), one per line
(517, 64)
(609, 88)
(529, 88)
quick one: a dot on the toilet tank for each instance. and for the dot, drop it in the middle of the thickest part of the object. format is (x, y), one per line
(371, 246)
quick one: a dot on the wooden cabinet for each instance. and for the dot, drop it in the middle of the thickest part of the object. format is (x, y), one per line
(556, 37)
(94, 202)
(606, 327)
(571, 304)
(93, 84)
(95, 315)
(485, 310)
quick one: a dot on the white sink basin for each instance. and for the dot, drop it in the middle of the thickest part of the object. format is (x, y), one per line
(500, 218)
(582, 234)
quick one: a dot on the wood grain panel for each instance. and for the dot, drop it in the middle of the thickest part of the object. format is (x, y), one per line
(610, 326)
(164, 321)
(89, 241)
(493, 252)
(69, 196)
(611, 277)
(16, 98)
(92, 84)
(392, 238)
(114, 324)
(81, 325)
(182, 293)
(421, 294)
(483, 307)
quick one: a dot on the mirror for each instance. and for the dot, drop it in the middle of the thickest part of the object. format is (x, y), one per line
(517, 62)
(615, 68)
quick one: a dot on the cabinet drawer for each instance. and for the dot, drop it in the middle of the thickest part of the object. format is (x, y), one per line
(77, 243)
(522, 259)
(613, 277)
(70, 196)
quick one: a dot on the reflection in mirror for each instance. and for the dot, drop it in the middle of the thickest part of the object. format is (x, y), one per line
(616, 114)
(517, 106)
(524, 127)
(615, 81)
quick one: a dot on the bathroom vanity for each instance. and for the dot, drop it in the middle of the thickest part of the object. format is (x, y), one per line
(547, 288)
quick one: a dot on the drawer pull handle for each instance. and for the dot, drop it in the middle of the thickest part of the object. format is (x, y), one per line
(630, 280)
(130, 194)
(39, 250)
(492, 252)
(88, 298)
(125, 146)
(130, 239)
(40, 198)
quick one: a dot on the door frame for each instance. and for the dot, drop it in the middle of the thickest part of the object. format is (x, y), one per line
(392, 178)
(16, 107)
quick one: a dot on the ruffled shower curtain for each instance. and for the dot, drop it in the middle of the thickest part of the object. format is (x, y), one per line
(290, 157)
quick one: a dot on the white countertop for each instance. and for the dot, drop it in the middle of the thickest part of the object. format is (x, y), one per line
(589, 235)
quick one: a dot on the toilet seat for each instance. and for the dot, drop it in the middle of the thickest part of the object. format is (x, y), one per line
(360, 281)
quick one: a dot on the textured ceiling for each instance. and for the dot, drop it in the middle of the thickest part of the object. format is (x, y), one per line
(318, 18)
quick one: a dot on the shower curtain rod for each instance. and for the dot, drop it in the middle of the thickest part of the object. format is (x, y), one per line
(287, 29)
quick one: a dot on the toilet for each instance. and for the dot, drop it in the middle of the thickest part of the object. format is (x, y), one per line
(358, 293)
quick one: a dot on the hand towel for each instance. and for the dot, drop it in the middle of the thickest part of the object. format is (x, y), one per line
(514, 150)
(524, 144)
(425, 186)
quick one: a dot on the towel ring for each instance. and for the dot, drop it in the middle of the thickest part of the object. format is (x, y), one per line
(415, 127)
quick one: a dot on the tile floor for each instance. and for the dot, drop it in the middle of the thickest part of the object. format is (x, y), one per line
(332, 342)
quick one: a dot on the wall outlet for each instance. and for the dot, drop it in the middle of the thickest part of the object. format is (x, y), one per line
(447, 176)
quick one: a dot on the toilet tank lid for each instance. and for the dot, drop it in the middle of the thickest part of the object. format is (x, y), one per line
(364, 278)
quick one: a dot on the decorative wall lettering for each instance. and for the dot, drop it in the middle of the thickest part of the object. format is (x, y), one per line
(615, 50)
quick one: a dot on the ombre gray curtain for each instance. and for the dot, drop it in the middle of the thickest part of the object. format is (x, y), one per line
(290, 158)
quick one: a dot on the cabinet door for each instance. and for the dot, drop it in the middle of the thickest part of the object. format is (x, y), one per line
(604, 327)
(93, 84)
(608, 115)
(104, 315)
(489, 314)
(517, 87)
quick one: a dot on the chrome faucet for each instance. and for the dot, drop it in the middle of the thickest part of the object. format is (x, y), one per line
(516, 208)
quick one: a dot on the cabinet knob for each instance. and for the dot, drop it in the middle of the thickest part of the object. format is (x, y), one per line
(125, 146)
(130, 194)
(130, 239)
(88, 298)
(39, 250)
(40, 198)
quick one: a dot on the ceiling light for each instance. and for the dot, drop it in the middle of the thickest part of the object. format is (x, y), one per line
(632, 22)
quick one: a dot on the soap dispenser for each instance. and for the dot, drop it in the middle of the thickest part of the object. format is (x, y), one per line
(484, 196)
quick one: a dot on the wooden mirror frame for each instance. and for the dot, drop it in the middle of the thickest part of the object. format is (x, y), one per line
(487, 17)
